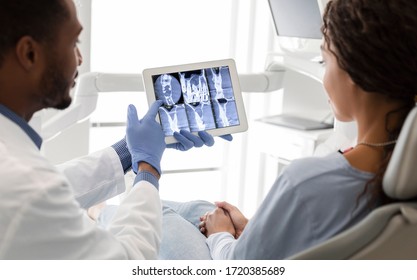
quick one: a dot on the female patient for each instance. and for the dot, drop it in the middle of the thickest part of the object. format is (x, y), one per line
(370, 59)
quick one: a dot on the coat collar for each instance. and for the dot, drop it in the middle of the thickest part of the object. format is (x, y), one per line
(22, 124)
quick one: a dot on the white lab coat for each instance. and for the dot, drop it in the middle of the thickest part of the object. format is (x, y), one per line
(41, 219)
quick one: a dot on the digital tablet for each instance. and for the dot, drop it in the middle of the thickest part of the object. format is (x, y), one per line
(198, 96)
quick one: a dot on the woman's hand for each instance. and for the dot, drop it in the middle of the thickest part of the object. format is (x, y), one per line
(216, 221)
(239, 221)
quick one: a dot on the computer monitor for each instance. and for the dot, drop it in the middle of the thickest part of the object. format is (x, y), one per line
(297, 18)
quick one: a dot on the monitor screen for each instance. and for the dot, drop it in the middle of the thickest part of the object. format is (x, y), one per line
(297, 18)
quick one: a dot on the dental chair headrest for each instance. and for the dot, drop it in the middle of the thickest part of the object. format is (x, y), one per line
(400, 179)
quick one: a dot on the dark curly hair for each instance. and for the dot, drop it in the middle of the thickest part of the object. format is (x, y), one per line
(375, 42)
(38, 19)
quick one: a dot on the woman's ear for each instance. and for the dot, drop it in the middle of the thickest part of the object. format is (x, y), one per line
(350, 81)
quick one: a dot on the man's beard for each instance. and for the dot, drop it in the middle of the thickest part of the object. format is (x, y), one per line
(55, 89)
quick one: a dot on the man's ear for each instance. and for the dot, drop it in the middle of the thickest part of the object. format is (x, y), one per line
(27, 52)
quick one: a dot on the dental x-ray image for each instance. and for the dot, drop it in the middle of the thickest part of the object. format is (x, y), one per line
(196, 100)
(172, 113)
(222, 97)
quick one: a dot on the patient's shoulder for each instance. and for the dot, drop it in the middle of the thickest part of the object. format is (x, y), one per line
(321, 172)
(312, 166)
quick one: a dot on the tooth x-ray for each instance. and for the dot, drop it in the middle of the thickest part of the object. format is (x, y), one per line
(197, 97)
(196, 100)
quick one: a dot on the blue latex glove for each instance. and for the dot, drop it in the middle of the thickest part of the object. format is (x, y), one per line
(227, 137)
(187, 140)
(145, 138)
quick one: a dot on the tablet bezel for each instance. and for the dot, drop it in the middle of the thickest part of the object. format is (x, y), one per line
(148, 74)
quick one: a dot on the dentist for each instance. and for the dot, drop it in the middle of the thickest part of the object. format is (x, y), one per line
(42, 209)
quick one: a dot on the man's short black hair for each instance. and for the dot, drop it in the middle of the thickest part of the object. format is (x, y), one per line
(39, 19)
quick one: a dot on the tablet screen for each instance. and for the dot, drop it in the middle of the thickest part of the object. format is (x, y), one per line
(197, 98)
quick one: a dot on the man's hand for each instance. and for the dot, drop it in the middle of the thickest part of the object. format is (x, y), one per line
(187, 140)
(145, 138)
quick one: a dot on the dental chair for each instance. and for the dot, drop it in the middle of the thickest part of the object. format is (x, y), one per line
(390, 231)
